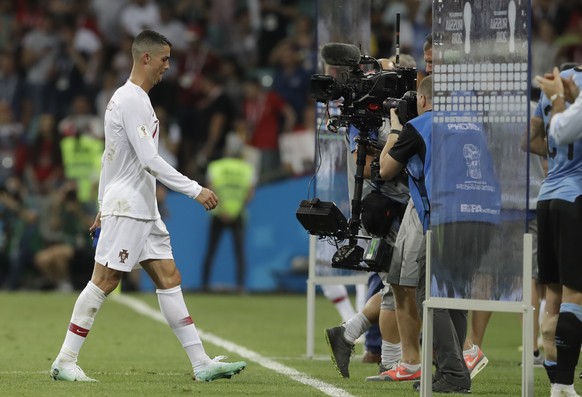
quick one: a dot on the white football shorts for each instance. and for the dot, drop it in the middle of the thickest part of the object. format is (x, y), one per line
(125, 242)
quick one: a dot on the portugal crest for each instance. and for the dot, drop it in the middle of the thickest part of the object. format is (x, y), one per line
(123, 255)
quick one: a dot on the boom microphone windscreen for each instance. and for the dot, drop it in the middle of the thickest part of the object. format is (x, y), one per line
(341, 54)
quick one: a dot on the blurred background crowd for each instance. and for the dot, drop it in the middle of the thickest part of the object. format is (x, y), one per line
(238, 67)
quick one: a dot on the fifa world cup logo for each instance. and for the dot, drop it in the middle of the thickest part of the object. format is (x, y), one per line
(511, 14)
(472, 156)
(467, 23)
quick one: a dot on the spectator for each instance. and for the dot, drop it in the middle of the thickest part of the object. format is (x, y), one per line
(303, 36)
(555, 11)
(543, 49)
(263, 112)
(121, 61)
(231, 73)
(40, 49)
(199, 59)
(11, 132)
(76, 67)
(244, 48)
(8, 26)
(40, 162)
(569, 42)
(291, 81)
(220, 24)
(68, 241)
(20, 216)
(13, 87)
(205, 127)
(274, 26)
(174, 29)
(107, 13)
(139, 15)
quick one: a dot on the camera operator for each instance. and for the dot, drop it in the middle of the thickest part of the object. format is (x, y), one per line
(381, 199)
(410, 147)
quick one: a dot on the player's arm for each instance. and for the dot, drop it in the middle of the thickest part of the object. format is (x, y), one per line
(537, 138)
(566, 127)
(140, 138)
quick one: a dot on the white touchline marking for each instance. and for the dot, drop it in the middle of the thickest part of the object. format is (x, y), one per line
(142, 308)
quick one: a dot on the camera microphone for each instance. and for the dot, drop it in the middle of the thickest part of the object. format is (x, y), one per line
(341, 54)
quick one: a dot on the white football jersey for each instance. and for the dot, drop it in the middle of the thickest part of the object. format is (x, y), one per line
(131, 163)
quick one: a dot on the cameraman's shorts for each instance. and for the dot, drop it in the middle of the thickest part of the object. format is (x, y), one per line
(125, 242)
(387, 298)
(409, 248)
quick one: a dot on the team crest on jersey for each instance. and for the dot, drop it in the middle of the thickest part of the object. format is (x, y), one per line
(142, 131)
(123, 255)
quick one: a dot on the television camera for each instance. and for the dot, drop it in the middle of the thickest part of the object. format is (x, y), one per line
(366, 100)
(366, 97)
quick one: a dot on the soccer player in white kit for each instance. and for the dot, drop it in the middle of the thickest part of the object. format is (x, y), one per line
(132, 231)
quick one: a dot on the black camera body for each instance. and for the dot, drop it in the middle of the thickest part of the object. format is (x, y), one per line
(368, 98)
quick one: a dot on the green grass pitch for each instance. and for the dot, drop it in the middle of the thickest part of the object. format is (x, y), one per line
(135, 355)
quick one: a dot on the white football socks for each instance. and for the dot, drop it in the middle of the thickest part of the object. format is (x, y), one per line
(174, 310)
(355, 327)
(391, 354)
(84, 312)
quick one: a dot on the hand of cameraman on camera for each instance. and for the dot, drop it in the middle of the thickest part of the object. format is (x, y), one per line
(395, 128)
(394, 121)
(389, 167)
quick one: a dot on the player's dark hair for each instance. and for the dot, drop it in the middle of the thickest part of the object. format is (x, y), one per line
(146, 40)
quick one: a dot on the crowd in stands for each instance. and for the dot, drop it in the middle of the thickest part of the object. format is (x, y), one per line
(237, 66)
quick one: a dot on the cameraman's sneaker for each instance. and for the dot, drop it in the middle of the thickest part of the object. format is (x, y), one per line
(341, 349)
(216, 369)
(398, 373)
(475, 360)
(69, 373)
(384, 368)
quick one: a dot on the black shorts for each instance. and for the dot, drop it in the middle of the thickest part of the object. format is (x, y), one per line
(560, 243)
(458, 250)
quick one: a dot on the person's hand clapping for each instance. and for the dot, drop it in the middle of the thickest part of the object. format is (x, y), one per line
(571, 90)
(551, 84)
